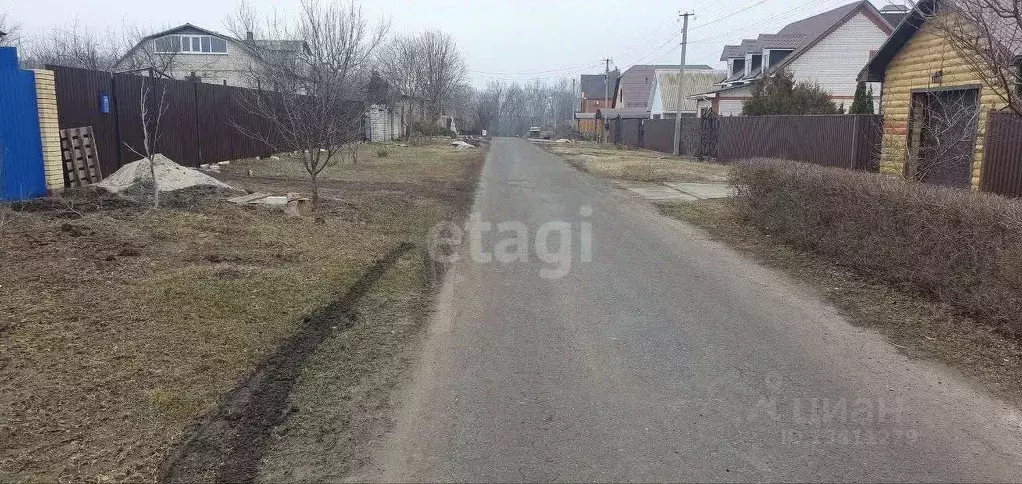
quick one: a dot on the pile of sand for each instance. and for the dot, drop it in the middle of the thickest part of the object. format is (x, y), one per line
(170, 176)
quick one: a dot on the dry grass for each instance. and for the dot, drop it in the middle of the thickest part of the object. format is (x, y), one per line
(917, 325)
(637, 165)
(122, 326)
(412, 164)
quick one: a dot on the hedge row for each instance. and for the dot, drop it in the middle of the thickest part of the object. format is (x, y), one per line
(960, 247)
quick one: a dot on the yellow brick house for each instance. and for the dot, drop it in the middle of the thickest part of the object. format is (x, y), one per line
(935, 103)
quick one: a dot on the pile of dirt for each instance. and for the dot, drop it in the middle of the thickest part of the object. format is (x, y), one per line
(170, 176)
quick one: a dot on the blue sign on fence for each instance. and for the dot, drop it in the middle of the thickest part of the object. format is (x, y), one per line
(21, 150)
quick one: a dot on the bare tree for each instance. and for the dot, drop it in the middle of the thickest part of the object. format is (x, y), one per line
(510, 108)
(11, 31)
(987, 34)
(443, 69)
(310, 103)
(942, 136)
(74, 45)
(401, 65)
(142, 55)
(153, 105)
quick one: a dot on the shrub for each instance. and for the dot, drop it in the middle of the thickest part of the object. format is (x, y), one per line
(958, 247)
(382, 153)
(426, 128)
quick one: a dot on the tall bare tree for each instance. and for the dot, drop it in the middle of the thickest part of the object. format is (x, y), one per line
(510, 108)
(401, 64)
(443, 69)
(987, 34)
(140, 53)
(11, 30)
(310, 103)
(75, 45)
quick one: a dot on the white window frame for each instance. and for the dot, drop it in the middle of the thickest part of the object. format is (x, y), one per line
(187, 42)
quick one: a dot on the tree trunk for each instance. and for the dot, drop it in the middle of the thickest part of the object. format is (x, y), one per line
(315, 194)
(156, 186)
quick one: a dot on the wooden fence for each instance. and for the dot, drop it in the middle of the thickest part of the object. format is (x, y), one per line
(1002, 155)
(847, 141)
(201, 124)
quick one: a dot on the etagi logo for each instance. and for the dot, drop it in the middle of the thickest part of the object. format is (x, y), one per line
(551, 243)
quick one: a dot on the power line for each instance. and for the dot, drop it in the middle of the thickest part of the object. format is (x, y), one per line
(760, 23)
(732, 14)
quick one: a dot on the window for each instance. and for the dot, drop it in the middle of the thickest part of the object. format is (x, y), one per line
(192, 44)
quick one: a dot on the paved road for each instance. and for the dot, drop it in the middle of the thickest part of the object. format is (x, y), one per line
(668, 357)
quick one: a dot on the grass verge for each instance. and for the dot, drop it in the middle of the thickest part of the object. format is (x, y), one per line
(121, 327)
(609, 161)
(918, 326)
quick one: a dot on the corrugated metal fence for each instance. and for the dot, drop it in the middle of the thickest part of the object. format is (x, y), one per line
(1002, 155)
(844, 141)
(655, 134)
(847, 141)
(21, 167)
(201, 124)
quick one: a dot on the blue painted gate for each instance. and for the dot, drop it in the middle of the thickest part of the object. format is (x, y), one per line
(21, 151)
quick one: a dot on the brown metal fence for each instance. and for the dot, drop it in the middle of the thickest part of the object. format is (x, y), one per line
(847, 141)
(654, 134)
(201, 124)
(1002, 155)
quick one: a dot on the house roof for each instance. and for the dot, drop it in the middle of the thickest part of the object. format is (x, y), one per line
(781, 41)
(716, 90)
(875, 68)
(181, 28)
(636, 81)
(592, 85)
(894, 14)
(695, 82)
(802, 35)
(731, 51)
(271, 45)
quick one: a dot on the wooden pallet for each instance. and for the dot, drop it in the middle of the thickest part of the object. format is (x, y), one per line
(81, 161)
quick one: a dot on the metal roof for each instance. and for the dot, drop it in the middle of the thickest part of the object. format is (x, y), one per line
(695, 82)
(592, 85)
(802, 34)
(1006, 30)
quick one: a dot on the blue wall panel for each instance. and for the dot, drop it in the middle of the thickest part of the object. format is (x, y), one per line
(21, 150)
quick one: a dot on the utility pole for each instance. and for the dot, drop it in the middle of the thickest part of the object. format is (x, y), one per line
(606, 80)
(681, 83)
(606, 93)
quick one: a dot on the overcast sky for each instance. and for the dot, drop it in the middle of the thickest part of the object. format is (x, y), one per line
(513, 40)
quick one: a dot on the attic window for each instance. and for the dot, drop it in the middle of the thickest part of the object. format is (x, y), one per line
(192, 44)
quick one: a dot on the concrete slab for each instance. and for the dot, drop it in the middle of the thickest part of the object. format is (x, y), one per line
(249, 198)
(703, 190)
(661, 193)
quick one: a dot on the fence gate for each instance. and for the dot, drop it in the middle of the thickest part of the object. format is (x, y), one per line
(709, 127)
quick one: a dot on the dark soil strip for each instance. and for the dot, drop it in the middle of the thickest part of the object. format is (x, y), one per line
(229, 444)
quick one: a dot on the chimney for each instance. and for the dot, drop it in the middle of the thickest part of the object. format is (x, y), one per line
(249, 36)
